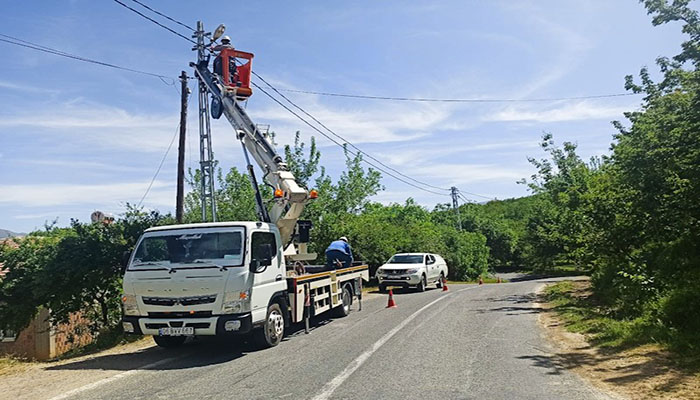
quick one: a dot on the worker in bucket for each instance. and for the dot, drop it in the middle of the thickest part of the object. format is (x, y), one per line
(225, 44)
(339, 254)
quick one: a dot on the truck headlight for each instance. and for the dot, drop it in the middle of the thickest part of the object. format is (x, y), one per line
(412, 271)
(236, 302)
(129, 305)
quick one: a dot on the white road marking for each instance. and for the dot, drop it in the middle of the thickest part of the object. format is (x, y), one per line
(112, 379)
(334, 383)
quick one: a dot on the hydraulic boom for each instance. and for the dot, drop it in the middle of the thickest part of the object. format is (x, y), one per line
(290, 198)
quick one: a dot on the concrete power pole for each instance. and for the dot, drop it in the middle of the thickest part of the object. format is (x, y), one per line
(180, 197)
(455, 206)
(206, 156)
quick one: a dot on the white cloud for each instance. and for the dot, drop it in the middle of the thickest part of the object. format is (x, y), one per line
(87, 165)
(583, 110)
(413, 154)
(374, 125)
(26, 88)
(460, 174)
(107, 195)
(96, 126)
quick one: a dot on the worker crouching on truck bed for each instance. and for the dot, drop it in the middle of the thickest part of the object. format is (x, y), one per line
(339, 254)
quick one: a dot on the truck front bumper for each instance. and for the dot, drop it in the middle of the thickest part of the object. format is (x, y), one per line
(216, 325)
(404, 280)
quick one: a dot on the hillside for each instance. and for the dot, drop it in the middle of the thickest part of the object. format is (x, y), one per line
(4, 233)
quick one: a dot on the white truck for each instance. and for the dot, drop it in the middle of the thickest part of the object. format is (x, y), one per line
(412, 269)
(233, 278)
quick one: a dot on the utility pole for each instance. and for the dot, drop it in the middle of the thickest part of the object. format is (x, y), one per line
(206, 157)
(455, 205)
(180, 197)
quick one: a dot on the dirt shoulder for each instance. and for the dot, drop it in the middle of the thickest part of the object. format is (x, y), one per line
(42, 380)
(643, 372)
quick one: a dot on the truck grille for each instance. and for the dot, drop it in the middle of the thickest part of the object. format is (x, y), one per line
(183, 301)
(180, 314)
(395, 271)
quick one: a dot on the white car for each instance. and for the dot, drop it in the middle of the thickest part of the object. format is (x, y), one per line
(412, 269)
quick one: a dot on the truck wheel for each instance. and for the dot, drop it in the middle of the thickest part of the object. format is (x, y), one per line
(439, 282)
(344, 309)
(382, 289)
(421, 286)
(169, 342)
(270, 335)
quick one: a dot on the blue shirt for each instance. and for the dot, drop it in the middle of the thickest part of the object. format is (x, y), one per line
(340, 245)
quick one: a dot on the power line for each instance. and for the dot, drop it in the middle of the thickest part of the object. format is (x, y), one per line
(338, 143)
(45, 49)
(456, 100)
(342, 138)
(163, 15)
(475, 194)
(155, 22)
(148, 189)
(299, 108)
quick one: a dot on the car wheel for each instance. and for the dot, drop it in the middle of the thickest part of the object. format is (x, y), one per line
(169, 342)
(421, 286)
(270, 335)
(344, 309)
(439, 282)
(382, 289)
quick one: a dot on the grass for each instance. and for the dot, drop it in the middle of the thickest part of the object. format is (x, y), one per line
(581, 313)
(11, 364)
(106, 340)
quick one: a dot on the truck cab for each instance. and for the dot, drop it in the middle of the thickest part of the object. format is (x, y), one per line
(226, 279)
(204, 279)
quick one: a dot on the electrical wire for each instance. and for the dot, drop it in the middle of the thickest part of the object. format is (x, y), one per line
(45, 49)
(340, 144)
(177, 130)
(343, 139)
(163, 15)
(456, 100)
(155, 22)
(315, 119)
(475, 194)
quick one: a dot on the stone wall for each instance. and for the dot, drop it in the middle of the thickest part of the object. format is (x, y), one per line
(41, 341)
(73, 334)
(34, 342)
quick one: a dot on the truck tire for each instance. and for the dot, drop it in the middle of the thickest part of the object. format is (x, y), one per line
(382, 289)
(439, 282)
(421, 286)
(272, 331)
(169, 342)
(344, 309)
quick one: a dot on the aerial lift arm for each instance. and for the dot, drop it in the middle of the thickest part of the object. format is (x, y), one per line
(290, 198)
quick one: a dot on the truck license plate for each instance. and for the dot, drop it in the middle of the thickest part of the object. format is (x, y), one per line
(176, 331)
(397, 277)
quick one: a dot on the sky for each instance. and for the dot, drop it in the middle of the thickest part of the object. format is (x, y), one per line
(77, 137)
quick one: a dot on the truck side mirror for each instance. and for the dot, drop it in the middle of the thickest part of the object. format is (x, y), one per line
(125, 260)
(264, 260)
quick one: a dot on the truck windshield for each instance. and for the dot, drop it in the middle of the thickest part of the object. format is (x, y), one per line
(191, 248)
(406, 259)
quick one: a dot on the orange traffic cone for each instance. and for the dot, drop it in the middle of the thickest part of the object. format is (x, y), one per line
(499, 279)
(391, 303)
(444, 284)
(481, 281)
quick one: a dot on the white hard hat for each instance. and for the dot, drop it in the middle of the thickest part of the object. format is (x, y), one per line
(225, 39)
(344, 239)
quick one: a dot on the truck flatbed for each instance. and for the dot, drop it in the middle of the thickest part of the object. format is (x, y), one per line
(322, 291)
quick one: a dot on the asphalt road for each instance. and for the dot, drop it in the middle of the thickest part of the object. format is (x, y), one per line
(472, 342)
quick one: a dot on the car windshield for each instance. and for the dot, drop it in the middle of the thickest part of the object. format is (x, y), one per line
(406, 259)
(215, 247)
